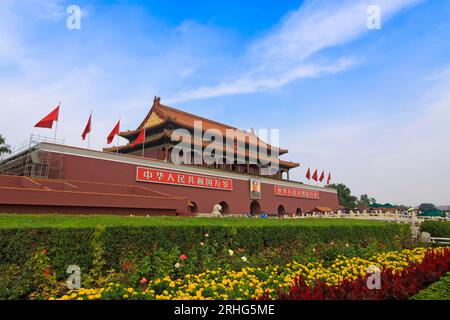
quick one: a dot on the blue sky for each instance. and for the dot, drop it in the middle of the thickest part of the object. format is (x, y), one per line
(371, 106)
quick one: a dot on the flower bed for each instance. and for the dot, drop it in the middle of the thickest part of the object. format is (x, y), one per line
(312, 280)
(395, 283)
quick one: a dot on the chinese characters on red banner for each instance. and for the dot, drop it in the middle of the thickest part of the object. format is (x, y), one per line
(183, 179)
(296, 192)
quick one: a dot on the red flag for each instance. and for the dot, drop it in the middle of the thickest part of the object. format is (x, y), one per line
(47, 122)
(314, 176)
(139, 139)
(329, 178)
(113, 132)
(308, 174)
(322, 176)
(87, 129)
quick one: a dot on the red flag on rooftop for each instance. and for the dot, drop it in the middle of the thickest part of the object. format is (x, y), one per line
(139, 139)
(87, 129)
(329, 178)
(47, 121)
(314, 176)
(322, 176)
(113, 133)
(308, 174)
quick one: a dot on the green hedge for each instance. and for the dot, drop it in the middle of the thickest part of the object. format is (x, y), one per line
(436, 228)
(67, 245)
(437, 291)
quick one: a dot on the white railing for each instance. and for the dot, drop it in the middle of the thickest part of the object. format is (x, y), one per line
(440, 240)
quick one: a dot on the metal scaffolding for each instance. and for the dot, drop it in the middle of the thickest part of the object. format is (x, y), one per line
(28, 160)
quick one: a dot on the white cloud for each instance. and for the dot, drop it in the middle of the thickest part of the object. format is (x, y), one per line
(287, 52)
(401, 160)
(249, 85)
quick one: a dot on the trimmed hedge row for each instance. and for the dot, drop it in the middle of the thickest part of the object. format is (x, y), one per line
(66, 246)
(436, 228)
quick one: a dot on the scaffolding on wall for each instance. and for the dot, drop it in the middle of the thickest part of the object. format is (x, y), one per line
(28, 160)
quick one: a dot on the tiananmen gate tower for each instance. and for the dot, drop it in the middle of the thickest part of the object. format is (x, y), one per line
(143, 179)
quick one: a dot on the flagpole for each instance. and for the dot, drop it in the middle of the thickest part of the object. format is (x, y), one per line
(56, 127)
(90, 129)
(143, 142)
(117, 140)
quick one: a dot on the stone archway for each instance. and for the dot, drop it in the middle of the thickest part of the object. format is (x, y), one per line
(299, 212)
(255, 208)
(281, 210)
(193, 207)
(225, 207)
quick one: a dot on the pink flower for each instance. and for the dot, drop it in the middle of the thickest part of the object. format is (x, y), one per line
(183, 257)
(143, 280)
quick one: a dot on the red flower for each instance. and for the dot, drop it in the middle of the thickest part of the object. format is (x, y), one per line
(183, 257)
(126, 266)
(143, 281)
(44, 251)
(46, 272)
(147, 253)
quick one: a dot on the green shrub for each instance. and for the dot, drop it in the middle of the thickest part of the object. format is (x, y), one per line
(35, 279)
(101, 249)
(437, 291)
(436, 228)
(13, 283)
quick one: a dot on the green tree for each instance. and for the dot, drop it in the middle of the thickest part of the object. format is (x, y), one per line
(364, 201)
(4, 148)
(424, 207)
(345, 195)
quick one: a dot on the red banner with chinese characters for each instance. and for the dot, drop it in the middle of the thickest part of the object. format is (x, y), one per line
(296, 192)
(183, 179)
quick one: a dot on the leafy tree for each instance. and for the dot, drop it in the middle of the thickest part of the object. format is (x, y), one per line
(424, 207)
(4, 148)
(345, 195)
(364, 200)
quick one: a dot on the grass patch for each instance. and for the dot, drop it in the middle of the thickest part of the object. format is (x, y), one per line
(437, 291)
(12, 221)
